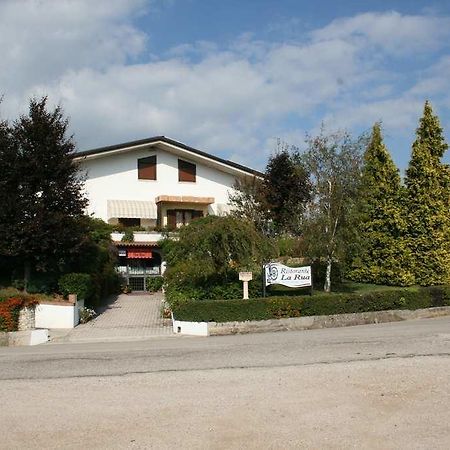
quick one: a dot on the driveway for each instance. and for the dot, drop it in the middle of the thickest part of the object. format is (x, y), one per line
(127, 317)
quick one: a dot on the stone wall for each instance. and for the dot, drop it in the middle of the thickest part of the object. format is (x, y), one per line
(26, 319)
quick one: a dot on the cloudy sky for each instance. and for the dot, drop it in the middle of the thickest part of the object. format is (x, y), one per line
(228, 77)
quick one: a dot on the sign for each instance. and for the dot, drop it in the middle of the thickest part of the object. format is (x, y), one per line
(122, 252)
(275, 273)
(139, 254)
(245, 276)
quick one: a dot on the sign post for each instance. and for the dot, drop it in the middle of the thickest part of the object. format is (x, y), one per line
(245, 277)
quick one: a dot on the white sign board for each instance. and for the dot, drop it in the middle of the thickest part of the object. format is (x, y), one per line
(245, 276)
(276, 273)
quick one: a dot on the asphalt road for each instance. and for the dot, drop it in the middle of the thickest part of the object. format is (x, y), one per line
(375, 386)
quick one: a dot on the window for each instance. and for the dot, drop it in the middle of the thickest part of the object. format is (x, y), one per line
(186, 171)
(129, 222)
(147, 168)
(178, 217)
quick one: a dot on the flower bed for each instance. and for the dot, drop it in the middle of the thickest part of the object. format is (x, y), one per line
(10, 308)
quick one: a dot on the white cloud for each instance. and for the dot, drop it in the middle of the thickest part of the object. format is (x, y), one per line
(231, 99)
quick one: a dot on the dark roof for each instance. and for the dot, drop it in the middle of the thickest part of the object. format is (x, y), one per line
(151, 140)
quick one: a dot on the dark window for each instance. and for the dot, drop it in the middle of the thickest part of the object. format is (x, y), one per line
(186, 171)
(129, 222)
(147, 168)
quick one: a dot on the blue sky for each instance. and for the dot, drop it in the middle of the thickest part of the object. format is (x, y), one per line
(228, 77)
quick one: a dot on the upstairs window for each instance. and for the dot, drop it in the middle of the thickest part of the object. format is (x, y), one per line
(186, 171)
(147, 168)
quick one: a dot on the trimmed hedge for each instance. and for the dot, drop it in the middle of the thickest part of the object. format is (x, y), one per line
(319, 304)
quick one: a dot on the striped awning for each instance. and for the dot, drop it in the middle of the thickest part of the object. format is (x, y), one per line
(131, 209)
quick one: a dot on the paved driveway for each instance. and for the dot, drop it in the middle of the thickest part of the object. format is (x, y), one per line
(128, 317)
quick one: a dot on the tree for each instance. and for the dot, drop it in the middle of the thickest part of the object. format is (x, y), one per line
(204, 262)
(248, 202)
(286, 190)
(276, 202)
(428, 203)
(40, 189)
(382, 224)
(334, 162)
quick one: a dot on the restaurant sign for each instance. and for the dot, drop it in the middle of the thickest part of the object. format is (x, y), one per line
(276, 273)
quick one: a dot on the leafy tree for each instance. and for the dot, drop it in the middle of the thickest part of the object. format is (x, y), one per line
(428, 203)
(286, 190)
(335, 163)
(205, 261)
(276, 202)
(40, 190)
(248, 202)
(381, 223)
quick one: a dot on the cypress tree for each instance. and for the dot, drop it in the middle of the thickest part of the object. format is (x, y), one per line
(428, 202)
(384, 258)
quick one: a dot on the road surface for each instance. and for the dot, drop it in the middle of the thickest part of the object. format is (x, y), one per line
(375, 386)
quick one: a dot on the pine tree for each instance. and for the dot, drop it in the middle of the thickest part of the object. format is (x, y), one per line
(428, 202)
(384, 258)
(42, 190)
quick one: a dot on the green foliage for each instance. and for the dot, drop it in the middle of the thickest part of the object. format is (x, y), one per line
(205, 261)
(321, 304)
(275, 203)
(128, 235)
(248, 203)
(97, 256)
(291, 246)
(383, 256)
(154, 284)
(40, 190)
(335, 163)
(286, 190)
(76, 283)
(428, 203)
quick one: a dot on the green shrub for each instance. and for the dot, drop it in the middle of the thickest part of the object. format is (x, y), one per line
(319, 304)
(154, 284)
(128, 236)
(76, 283)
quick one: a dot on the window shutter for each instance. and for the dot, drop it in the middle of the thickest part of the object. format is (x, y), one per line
(186, 171)
(147, 168)
(171, 219)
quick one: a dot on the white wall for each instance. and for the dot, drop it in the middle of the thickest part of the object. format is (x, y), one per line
(115, 177)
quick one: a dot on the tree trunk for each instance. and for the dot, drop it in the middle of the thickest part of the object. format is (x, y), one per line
(327, 285)
(26, 275)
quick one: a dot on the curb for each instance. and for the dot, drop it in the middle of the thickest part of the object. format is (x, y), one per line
(19, 338)
(305, 323)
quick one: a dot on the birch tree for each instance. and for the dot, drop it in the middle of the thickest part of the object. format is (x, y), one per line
(334, 162)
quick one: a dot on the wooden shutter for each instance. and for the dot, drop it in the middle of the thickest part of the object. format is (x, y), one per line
(186, 171)
(171, 219)
(147, 168)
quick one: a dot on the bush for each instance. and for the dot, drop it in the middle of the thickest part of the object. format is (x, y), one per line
(10, 307)
(319, 304)
(154, 284)
(76, 283)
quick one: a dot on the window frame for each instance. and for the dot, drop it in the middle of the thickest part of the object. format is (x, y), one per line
(150, 164)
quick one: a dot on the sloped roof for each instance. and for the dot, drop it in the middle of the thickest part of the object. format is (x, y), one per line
(164, 140)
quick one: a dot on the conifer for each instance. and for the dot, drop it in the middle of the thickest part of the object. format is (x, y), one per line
(384, 258)
(428, 203)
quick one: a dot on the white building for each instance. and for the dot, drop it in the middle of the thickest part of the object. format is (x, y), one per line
(155, 183)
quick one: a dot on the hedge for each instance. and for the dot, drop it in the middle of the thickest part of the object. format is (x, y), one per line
(76, 283)
(319, 304)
